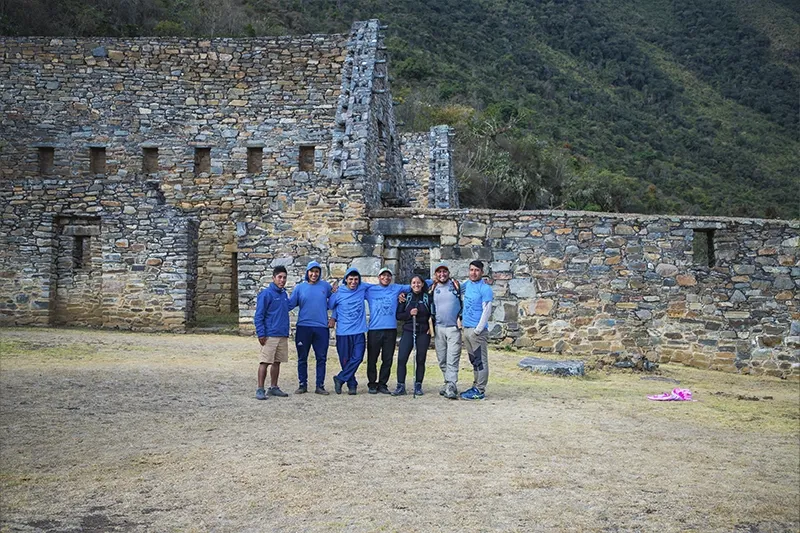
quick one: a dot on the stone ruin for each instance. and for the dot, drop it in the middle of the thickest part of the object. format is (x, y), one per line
(145, 182)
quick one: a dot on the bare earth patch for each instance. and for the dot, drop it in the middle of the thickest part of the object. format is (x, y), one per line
(105, 431)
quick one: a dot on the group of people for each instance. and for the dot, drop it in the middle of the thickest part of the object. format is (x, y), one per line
(450, 312)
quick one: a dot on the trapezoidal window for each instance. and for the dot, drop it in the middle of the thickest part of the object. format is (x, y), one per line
(202, 160)
(46, 158)
(307, 158)
(255, 159)
(149, 160)
(97, 160)
(703, 247)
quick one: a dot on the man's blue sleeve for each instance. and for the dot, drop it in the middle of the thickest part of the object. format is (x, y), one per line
(294, 299)
(260, 318)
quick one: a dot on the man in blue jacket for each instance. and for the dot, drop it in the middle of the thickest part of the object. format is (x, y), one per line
(272, 328)
(311, 297)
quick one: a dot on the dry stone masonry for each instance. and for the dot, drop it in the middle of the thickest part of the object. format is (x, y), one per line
(716, 293)
(146, 182)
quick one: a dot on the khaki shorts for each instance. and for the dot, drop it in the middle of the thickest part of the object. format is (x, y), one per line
(275, 350)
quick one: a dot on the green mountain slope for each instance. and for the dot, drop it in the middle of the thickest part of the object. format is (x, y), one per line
(684, 106)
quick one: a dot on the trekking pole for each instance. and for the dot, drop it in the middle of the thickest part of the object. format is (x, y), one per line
(414, 337)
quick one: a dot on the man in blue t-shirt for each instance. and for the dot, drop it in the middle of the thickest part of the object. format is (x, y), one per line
(477, 310)
(311, 297)
(382, 329)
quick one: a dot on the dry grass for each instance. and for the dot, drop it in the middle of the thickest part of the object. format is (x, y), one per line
(106, 431)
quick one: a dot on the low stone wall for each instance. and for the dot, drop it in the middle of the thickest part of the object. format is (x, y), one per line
(715, 293)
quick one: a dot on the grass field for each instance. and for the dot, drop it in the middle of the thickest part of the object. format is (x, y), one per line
(106, 431)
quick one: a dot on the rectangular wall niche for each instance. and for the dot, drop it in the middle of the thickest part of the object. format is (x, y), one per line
(202, 160)
(307, 158)
(46, 158)
(149, 159)
(97, 159)
(255, 159)
(81, 246)
(703, 247)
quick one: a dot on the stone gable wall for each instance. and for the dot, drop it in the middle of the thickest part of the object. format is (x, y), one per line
(626, 287)
(330, 223)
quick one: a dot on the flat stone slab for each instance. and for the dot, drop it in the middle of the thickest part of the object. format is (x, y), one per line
(556, 368)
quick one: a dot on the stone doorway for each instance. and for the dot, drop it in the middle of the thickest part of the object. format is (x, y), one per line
(407, 256)
(76, 296)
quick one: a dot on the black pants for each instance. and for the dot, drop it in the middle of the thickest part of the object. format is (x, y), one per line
(406, 345)
(380, 342)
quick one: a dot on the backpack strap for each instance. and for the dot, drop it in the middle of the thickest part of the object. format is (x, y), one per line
(408, 296)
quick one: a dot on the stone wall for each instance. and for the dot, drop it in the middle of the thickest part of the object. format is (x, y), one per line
(266, 99)
(132, 265)
(142, 180)
(330, 223)
(416, 166)
(443, 193)
(366, 146)
(626, 287)
(428, 165)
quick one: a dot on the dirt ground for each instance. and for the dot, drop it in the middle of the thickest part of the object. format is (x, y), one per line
(106, 431)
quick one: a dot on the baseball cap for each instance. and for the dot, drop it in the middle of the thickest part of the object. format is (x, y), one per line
(386, 269)
(442, 266)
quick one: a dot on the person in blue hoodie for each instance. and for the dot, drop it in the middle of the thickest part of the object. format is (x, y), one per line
(350, 317)
(311, 297)
(272, 329)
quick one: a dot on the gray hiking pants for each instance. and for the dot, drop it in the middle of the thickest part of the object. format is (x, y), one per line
(478, 350)
(448, 351)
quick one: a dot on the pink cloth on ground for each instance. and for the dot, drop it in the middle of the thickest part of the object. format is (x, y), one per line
(676, 395)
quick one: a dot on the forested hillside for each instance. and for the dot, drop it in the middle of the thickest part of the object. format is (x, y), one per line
(679, 106)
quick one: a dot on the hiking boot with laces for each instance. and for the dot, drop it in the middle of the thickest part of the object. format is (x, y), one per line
(400, 390)
(260, 394)
(337, 385)
(451, 392)
(302, 389)
(417, 389)
(372, 389)
(276, 391)
(321, 390)
(383, 389)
